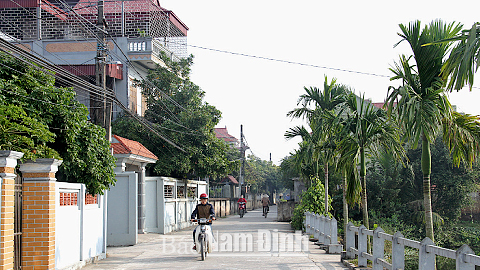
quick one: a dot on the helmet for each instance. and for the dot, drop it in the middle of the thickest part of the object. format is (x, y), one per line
(204, 196)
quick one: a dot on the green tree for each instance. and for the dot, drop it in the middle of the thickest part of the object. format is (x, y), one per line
(464, 59)
(262, 176)
(19, 132)
(47, 121)
(422, 105)
(175, 108)
(319, 144)
(365, 129)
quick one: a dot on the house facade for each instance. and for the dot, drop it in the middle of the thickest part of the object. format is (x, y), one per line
(66, 34)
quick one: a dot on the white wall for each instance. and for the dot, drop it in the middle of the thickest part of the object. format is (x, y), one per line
(79, 229)
(164, 215)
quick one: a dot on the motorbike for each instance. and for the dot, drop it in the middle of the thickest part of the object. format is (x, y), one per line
(204, 237)
(241, 208)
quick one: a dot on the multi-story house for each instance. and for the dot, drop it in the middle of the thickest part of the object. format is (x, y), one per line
(66, 33)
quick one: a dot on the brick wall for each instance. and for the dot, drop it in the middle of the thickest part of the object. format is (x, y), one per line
(8, 161)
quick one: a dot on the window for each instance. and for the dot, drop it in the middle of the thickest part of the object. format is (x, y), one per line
(68, 198)
(89, 199)
(180, 192)
(192, 192)
(168, 191)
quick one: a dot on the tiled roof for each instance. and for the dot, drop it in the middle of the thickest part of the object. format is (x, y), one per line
(231, 179)
(126, 146)
(222, 133)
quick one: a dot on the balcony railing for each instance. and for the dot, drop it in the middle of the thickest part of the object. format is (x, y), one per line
(150, 45)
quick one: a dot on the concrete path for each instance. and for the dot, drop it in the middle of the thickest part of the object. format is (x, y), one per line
(251, 242)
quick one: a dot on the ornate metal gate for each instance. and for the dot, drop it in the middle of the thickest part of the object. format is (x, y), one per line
(17, 264)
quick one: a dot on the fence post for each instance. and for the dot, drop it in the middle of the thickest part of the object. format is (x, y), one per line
(8, 162)
(327, 231)
(426, 260)
(350, 241)
(312, 224)
(321, 228)
(316, 234)
(362, 246)
(334, 247)
(39, 213)
(461, 263)
(307, 222)
(398, 252)
(378, 248)
(333, 231)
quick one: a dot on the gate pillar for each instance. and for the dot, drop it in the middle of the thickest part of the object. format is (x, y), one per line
(8, 161)
(39, 213)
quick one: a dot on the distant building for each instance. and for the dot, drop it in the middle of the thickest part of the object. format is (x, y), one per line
(222, 133)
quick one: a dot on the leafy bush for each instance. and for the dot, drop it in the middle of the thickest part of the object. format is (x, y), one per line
(313, 200)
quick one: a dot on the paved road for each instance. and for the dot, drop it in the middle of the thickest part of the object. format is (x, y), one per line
(251, 242)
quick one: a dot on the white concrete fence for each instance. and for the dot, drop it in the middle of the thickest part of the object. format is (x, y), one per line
(325, 230)
(427, 251)
(80, 226)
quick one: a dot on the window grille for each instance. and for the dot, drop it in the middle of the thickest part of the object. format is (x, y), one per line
(68, 198)
(89, 199)
(192, 192)
(180, 192)
(168, 191)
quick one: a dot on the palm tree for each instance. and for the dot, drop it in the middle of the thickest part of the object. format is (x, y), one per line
(324, 102)
(351, 186)
(464, 58)
(365, 128)
(422, 105)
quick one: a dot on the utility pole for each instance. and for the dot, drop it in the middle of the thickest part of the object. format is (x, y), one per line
(101, 109)
(242, 167)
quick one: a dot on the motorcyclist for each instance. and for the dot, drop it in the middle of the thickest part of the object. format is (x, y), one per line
(202, 210)
(242, 199)
(265, 203)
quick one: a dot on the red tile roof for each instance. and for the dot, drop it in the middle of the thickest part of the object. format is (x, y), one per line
(231, 179)
(222, 133)
(126, 146)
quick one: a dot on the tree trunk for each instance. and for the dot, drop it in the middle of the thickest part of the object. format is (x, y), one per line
(326, 189)
(427, 196)
(345, 207)
(363, 180)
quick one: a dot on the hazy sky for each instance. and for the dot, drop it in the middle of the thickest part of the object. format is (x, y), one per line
(338, 39)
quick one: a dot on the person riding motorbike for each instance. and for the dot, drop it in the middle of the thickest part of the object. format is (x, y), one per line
(265, 203)
(202, 210)
(242, 200)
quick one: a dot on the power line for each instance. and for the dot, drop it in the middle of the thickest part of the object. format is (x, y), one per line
(283, 61)
(9, 48)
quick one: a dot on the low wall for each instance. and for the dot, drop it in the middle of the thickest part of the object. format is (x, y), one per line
(224, 206)
(285, 210)
(80, 232)
(229, 206)
(169, 203)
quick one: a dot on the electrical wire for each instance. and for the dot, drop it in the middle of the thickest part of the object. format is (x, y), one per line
(8, 48)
